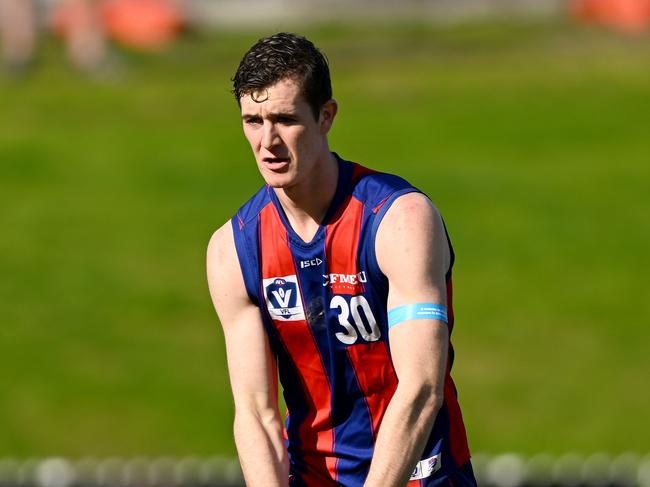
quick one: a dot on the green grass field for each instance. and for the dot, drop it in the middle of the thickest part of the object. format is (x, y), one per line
(532, 140)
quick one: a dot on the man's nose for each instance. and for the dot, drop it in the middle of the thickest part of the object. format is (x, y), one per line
(270, 136)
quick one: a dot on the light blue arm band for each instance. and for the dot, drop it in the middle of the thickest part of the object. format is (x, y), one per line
(417, 311)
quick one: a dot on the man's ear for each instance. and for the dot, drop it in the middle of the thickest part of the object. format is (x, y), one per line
(327, 115)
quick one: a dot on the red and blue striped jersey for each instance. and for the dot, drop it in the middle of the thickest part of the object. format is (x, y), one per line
(323, 305)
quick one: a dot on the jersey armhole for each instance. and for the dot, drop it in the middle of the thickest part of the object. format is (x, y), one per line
(247, 262)
(452, 254)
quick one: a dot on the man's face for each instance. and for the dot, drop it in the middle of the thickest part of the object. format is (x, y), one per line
(285, 137)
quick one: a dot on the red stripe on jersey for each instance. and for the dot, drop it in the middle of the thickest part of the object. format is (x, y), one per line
(457, 434)
(376, 376)
(358, 171)
(341, 244)
(414, 483)
(316, 431)
(274, 244)
(380, 204)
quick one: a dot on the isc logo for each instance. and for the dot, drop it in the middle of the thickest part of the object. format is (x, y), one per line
(310, 263)
(283, 299)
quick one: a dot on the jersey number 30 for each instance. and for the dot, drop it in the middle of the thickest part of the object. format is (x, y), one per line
(367, 328)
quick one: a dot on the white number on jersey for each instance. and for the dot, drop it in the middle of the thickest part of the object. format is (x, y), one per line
(357, 305)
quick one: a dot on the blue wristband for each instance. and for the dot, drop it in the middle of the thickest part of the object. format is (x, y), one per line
(417, 311)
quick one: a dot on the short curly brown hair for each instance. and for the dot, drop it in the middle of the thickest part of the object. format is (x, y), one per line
(283, 56)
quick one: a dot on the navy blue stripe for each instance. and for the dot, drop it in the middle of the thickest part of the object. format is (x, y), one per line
(248, 260)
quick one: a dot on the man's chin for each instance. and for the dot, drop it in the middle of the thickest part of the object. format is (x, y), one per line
(278, 179)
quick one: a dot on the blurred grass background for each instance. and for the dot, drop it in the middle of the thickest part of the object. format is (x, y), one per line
(531, 138)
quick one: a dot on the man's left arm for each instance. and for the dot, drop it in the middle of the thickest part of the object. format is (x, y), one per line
(413, 252)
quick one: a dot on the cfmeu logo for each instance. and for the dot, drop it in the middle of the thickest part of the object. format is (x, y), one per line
(346, 283)
(283, 300)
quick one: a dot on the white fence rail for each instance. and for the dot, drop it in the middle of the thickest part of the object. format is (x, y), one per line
(252, 12)
(237, 13)
(504, 470)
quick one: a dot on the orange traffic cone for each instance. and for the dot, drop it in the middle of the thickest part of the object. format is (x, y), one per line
(631, 16)
(142, 24)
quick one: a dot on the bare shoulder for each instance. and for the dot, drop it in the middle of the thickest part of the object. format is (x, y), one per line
(411, 238)
(221, 246)
(225, 278)
(411, 209)
(411, 216)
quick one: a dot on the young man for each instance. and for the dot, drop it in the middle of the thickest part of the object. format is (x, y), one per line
(337, 278)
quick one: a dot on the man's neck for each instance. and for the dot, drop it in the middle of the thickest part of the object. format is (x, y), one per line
(306, 204)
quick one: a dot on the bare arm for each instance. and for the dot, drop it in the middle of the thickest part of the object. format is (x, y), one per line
(415, 264)
(252, 369)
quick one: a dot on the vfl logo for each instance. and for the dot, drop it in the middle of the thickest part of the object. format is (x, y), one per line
(283, 300)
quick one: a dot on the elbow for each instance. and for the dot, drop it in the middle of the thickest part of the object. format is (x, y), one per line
(431, 400)
(265, 417)
(427, 398)
(251, 427)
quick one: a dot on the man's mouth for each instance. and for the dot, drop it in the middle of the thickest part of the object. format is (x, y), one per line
(276, 163)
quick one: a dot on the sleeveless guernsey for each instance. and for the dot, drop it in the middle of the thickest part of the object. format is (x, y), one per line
(323, 305)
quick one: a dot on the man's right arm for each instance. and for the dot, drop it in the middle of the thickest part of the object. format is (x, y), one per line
(251, 366)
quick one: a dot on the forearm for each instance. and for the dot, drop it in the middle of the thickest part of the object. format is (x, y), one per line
(262, 453)
(402, 436)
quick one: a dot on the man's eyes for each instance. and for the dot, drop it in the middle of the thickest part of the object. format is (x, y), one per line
(284, 120)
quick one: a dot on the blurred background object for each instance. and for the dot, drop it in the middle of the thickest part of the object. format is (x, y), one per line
(85, 26)
(504, 470)
(79, 24)
(75, 20)
(144, 24)
(151, 25)
(630, 16)
(17, 33)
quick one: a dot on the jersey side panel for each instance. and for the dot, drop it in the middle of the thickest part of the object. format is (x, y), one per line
(458, 446)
